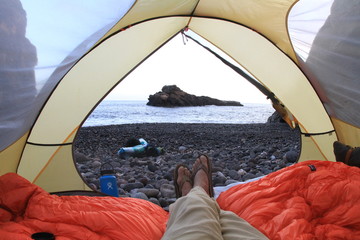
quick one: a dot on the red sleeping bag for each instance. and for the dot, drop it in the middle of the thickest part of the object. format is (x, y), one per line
(26, 209)
(309, 200)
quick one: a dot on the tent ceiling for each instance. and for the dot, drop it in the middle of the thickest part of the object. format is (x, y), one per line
(97, 49)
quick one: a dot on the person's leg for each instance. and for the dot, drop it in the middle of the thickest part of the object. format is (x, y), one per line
(196, 215)
(234, 228)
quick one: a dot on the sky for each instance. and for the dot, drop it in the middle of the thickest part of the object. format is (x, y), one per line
(190, 67)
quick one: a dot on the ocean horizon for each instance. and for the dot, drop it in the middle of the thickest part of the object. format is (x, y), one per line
(113, 112)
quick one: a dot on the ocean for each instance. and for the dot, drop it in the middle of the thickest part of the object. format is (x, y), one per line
(113, 112)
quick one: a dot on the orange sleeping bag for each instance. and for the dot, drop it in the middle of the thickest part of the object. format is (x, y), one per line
(309, 200)
(26, 209)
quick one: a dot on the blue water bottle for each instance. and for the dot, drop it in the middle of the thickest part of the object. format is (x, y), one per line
(108, 183)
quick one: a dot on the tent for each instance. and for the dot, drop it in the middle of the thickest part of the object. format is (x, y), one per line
(58, 60)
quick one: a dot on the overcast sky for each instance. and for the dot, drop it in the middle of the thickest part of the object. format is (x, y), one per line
(191, 68)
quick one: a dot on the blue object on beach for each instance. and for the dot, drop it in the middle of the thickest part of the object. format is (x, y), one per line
(135, 150)
(108, 182)
(108, 185)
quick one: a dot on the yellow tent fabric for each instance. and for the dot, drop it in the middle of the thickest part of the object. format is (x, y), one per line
(63, 78)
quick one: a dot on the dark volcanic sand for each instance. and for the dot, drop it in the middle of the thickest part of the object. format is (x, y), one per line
(239, 152)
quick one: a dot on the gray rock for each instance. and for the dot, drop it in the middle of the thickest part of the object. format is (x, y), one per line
(152, 167)
(233, 174)
(230, 181)
(266, 171)
(149, 192)
(241, 172)
(182, 149)
(187, 156)
(275, 118)
(122, 192)
(217, 169)
(155, 201)
(93, 186)
(81, 158)
(167, 191)
(96, 164)
(88, 175)
(130, 186)
(291, 156)
(171, 200)
(163, 202)
(263, 154)
(248, 176)
(144, 181)
(171, 96)
(219, 179)
(140, 195)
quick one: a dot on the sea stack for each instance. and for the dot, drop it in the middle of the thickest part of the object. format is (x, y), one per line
(173, 96)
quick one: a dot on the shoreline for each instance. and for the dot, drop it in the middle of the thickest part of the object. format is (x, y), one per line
(239, 152)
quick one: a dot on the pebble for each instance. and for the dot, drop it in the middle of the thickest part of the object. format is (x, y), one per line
(96, 164)
(149, 192)
(182, 149)
(140, 195)
(130, 186)
(239, 152)
(241, 172)
(155, 201)
(81, 158)
(291, 156)
(152, 167)
(248, 176)
(167, 191)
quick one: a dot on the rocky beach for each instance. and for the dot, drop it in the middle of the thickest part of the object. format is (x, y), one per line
(239, 152)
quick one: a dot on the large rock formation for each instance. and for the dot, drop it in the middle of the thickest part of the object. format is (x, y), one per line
(275, 118)
(173, 96)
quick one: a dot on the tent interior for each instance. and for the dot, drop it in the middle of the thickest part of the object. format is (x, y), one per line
(59, 61)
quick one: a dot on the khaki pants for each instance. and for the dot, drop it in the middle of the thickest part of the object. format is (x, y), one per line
(197, 216)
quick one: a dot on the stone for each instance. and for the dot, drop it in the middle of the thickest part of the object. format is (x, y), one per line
(130, 186)
(155, 201)
(219, 179)
(248, 176)
(275, 118)
(173, 96)
(233, 174)
(122, 192)
(291, 156)
(144, 180)
(182, 149)
(149, 192)
(81, 158)
(163, 202)
(96, 164)
(88, 174)
(140, 195)
(152, 167)
(241, 172)
(167, 191)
